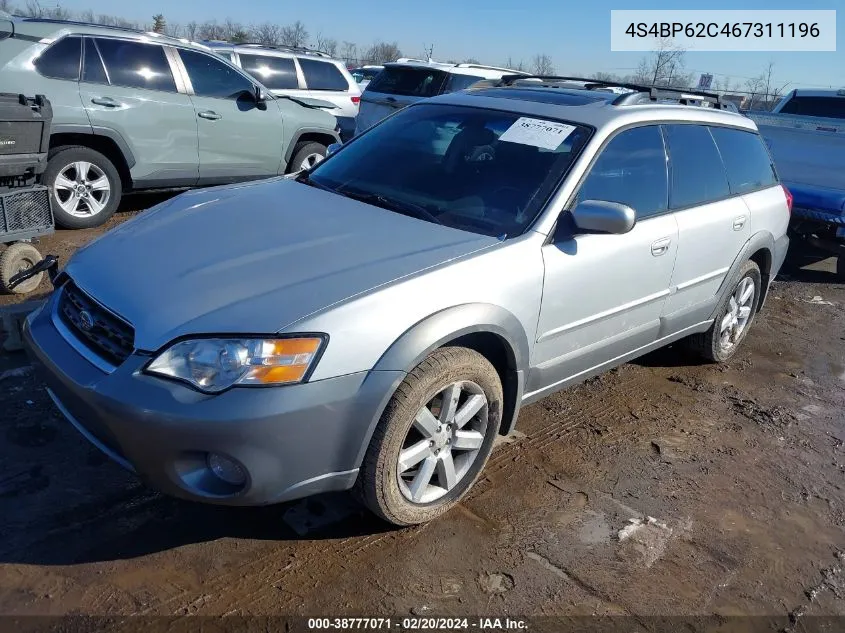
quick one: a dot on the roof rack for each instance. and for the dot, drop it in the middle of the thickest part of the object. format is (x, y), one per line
(273, 47)
(485, 67)
(640, 92)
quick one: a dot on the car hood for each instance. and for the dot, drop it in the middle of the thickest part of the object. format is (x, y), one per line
(253, 259)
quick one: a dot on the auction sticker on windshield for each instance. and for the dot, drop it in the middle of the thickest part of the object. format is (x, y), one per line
(537, 132)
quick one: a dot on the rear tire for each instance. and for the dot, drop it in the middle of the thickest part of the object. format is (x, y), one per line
(420, 439)
(306, 155)
(732, 322)
(82, 200)
(16, 258)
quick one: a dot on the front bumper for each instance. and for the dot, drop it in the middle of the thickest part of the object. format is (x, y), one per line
(291, 441)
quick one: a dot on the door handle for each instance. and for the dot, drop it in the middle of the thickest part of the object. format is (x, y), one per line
(105, 101)
(209, 114)
(661, 246)
(739, 222)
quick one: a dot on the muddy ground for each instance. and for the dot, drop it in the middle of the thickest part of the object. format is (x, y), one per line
(666, 487)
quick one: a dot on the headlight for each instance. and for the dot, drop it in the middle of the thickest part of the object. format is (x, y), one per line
(215, 364)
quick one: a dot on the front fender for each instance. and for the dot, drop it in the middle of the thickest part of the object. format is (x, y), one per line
(440, 328)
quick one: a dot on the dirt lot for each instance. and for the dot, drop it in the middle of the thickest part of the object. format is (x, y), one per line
(664, 487)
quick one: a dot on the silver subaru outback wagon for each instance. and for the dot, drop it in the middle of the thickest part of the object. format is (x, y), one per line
(360, 327)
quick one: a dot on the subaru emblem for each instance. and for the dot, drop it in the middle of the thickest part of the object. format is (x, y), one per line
(86, 321)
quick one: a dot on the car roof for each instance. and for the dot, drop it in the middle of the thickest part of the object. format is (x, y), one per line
(476, 70)
(50, 29)
(272, 51)
(588, 107)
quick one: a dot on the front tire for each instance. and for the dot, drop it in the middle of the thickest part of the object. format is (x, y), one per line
(733, 319)
(433, 438)
(85, 186)
(306, 155)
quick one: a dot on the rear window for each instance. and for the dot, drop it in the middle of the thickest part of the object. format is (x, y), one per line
(461, 82)
(748, 163)
(698, 174)
(828, 107)
(408, 81)
(276, 73)
(61, 60)
(322, 75)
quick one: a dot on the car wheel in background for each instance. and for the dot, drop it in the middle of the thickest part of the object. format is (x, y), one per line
(17, 258)
(84, 184)
(306, 155)
(433, 438)
(733, 319)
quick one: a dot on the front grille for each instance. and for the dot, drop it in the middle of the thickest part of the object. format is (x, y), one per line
(101, 331)
(25, 210)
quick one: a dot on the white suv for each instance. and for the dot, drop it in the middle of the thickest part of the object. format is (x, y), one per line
(406, 81)
(299, 72)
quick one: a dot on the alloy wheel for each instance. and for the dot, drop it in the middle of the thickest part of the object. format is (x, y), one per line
(82, 189)
(738, 314)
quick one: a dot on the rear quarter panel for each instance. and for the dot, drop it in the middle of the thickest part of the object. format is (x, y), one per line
(508, 275)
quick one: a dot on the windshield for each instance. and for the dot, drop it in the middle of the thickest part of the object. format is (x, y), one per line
(479, 170)
(408, 81)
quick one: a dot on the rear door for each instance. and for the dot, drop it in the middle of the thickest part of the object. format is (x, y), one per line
(713, 223)
(239, 139)
(58, 69)
(394, 88)
(128, 87)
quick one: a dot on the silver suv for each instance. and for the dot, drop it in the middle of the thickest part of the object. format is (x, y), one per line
(300, 72)
(359, 327)
(136, 110)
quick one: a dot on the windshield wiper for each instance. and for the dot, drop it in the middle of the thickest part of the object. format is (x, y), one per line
(400, 206)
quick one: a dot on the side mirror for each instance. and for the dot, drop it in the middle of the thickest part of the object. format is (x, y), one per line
(259, 95)
(331, 149)
(604, 217)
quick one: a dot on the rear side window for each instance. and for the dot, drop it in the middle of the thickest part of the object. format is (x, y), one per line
(61, 60)
(211, 77)
(830, 107)
(322, 75)
(746, 159)
(276, 73)
(93, 70)
(136, 65)
(698, 174)
(631, 170)
(408, 81)
(461, 82)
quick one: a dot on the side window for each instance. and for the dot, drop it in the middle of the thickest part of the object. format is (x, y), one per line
(212, 77)
(61, 60)
(698, 174)
(631, 169)
(322, 75)
(136, 65)
(746, 159)
(276, 73)
(93, 70)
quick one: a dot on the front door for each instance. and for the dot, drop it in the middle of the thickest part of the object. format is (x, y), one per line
(127, 88)
(239, 139)
(603, 294)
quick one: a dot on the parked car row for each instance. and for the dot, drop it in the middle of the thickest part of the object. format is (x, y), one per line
(135, 111)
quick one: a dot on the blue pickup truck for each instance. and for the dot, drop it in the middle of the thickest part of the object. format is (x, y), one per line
(806, 135)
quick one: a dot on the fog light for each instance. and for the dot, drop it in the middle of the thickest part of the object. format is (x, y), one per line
(227, 469)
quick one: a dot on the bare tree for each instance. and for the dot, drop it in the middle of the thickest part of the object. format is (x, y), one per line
(382, 52)
(542, 64)
(326, 45)
(212, 31)
(773, 92)
(754, 86)
(6, 6)
(191, 30)
(174, 29)
(88, 16)
(520, 65)
(609, 77)
(267, 33)
(294, 35)
(234, 31)
(664, 67)
(350, 52)
(471, 60)
(33, 9)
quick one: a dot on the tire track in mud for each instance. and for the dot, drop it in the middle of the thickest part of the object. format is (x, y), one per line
(269, 577)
